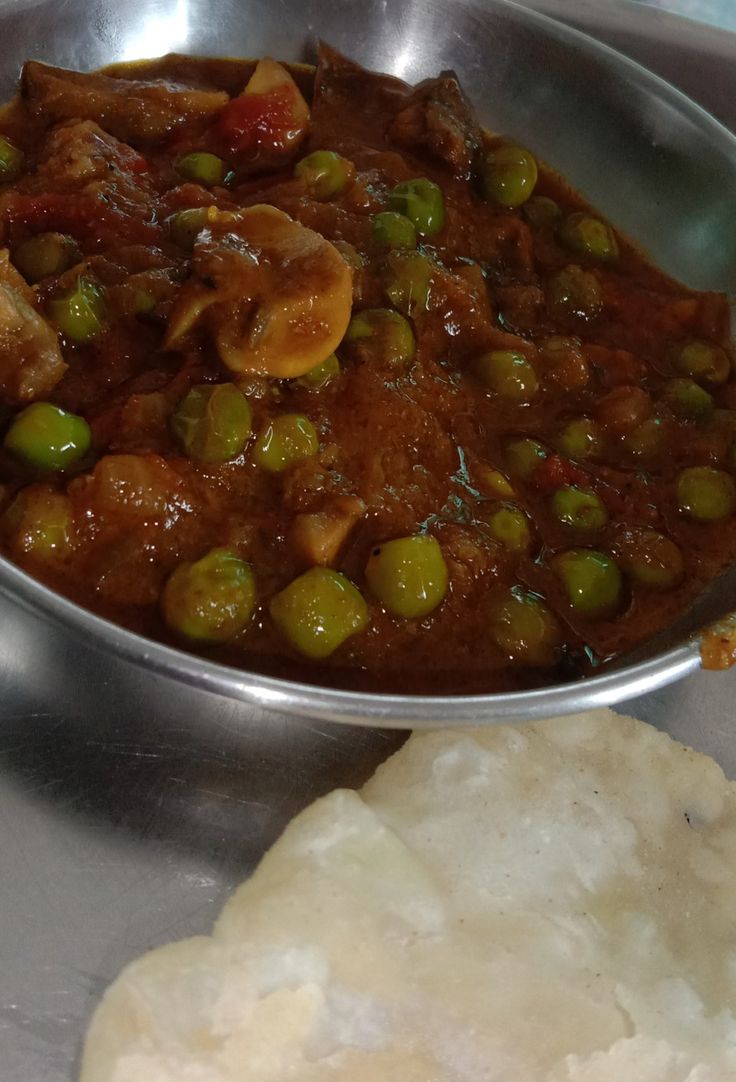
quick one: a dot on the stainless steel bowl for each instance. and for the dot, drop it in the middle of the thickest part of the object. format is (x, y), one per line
(654, 162)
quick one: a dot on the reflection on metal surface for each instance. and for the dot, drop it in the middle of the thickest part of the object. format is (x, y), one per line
(157, 33)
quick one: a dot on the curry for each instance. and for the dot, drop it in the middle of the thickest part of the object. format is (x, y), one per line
(304, 371)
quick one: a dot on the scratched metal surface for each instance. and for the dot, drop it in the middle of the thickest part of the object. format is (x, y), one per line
(129, 809)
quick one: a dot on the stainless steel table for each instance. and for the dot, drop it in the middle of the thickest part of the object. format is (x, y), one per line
(125, 820)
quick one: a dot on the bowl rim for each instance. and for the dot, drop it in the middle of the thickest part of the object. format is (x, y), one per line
(297, 698)
(307, 700)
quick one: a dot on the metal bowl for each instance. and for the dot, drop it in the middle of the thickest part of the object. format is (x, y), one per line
(659, 166)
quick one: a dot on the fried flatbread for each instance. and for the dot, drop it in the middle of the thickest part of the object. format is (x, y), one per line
(547, 903)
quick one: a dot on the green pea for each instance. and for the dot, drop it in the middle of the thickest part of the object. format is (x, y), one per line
(143, 302)
(325, 173)
(39, 523)
(318, 611)
(509, 174)
(202, 168)
(45, 255)
(540, 210)
(186, 225)
(494, 483)
(80, 313)
(11, 161)
(580, 439)
(380, 336)
(574, 295)
(704, 361)
(286, 440)
(408, 575)
(592, 581)
(322, 374)
(420, 200)
(406, 281)
(646, 441)
(650, 558)
(47, 437)
(579, 508)
(510, 527)
(213, 423)
(688, 399)
(393, 230)
(210, 600)
(523, 456)
(525, 629)
(706, 494)
(589, 236)
(508, 374)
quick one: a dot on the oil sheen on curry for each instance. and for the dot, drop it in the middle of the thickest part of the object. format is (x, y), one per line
(309, 374)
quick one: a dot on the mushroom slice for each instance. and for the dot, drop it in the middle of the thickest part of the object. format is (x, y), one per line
(274, 295)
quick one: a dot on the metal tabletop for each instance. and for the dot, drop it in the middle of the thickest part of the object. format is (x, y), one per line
(128, 811)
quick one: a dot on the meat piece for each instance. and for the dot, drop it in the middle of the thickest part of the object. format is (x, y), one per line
(139, 281)
(31, 363)
(438, 118)
(88, 184)
(513, 259)
(343, 92)
(79, 151)
(462, 299)
(469, 555)
(615, 366)
(522, 307)
(132, 110)
(318, 536)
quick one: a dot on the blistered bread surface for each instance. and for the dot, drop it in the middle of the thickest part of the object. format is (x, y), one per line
(547, 903)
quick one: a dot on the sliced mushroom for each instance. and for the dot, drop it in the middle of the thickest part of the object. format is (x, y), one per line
(274, 295)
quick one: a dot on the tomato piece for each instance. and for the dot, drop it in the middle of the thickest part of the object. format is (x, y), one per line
(259, 121)
(555, 471)
(83, 216)
(129, 160)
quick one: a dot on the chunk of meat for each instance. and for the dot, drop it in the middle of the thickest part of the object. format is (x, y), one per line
(469, 556)
(615, 366)
(438, 118)
(79, 151)
(275, 296)
(522, 307)
(31, 363)
(463, 301)
(87, 183)
(318, 536)
(344, 90)
(132, 110)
